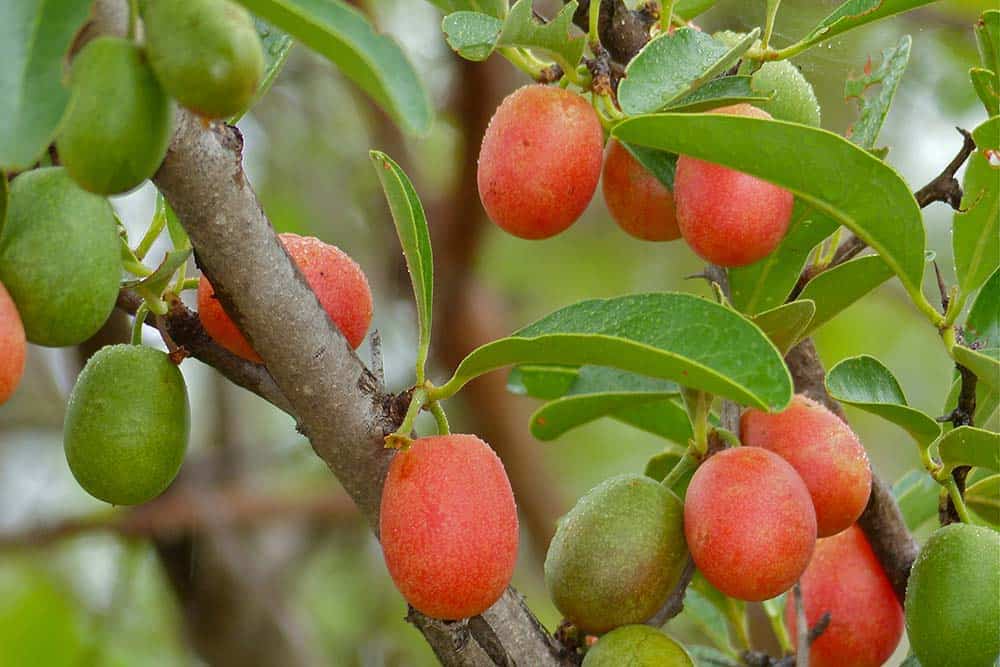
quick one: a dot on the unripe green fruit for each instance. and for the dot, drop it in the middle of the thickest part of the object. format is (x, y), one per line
(119, 121)
(953, 598)
(127, 422)
(59, 257)
(206, 53)
(637, 646)
(617, 555)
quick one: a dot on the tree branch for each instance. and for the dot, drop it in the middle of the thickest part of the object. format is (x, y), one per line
(945, 187)
(623, 31)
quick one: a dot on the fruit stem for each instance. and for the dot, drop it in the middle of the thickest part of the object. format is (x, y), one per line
(698, 404)
(593, 18)
(736, 613)
(956, 499)
(526, 62)
(138, 323)
(440, 417)
(778, 627)
(189, 283)
(684, 464)
(401, 436)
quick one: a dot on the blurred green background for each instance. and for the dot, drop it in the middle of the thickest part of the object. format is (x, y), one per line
(84, 585)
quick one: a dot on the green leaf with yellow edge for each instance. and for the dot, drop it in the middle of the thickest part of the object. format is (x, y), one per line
(690, 340)
(373, 61)
(983, 498)
(970, 446)
(866, 383)
(834, 290)
(558, 38)
(976, 226)
(855, 13)
(984, 363)
(874, 108)
(836, 177)
(786, 324)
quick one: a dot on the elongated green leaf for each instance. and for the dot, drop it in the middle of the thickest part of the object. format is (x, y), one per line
(982, 327)
(986, 83)
(178, 236)
(970, 446)
(664, 417)
(983, 498)
(917, 494)
(708, 617)
(716, 93)
(494, 8)
(152, 286)
(546, 382)
(559, 38)
(599, 379)
(373, 61)
(833, 175)
(693, 341)
(984, 363)
(673, 65)
(706, 656)
(976, 227)
(767, 283)
(856, 13)
(688, 9)
(472, 35)
(837, 288)
(988, 39)
(276, 45)
(660, 465)
(415, 239)
(873, 109)
(785, 324)
(35, 36)
(660, 163)
(867, 384)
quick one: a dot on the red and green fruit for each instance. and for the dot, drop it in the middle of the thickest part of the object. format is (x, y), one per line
(953, 598)
(339, 284)
(638, 201)
(13, 346)
(824, 451)
(206, 53)
(119, 120)
(727, 217)
(845, 579)
(637, 646)
(448, 526)
(126, 426)
(540, 161)
(749, 522)
(59, 257)
(617, 555)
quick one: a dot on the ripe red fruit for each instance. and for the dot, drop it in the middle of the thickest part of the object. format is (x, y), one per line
(749, 523)
(824, 451)
(727, 217)
(845, 579)
(448, 526)
(13, 346)
(637, 200)
(339, 284)
(540, 161)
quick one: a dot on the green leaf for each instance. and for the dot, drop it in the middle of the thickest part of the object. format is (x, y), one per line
(988, 39)
(373, 61)
(910, 661)
(830, 173)
(855, 13)
(987, 402)
(970, 446)
(982, 326)
(176, 231)
(706, 656)
(659, 163)
(673, 65)
(662, 417)
(472, 35)
(688, 9)
(785, 324)
(3, 198)
(708, 617)
(835, 289)
(33, 43)
(559, 38)
(767, 283)
(276, 45)
(917, 494)
(494, 8)
(718, 92)
(660, 465)
(541, 381)
(976, 227)
(866, 384)
(415, 239)
(983, 498)
(681, 337)
(985, 364)
(987, 86)
(873, 109)
(41, 622)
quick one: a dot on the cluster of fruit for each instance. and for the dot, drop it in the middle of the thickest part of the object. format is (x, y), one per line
(727, 217)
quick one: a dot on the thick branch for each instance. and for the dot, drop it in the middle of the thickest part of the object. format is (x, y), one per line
(623, 31)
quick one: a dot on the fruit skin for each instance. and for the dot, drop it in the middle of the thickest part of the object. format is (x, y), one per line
(119, 120)
(637, 646)
(617, 555)
(206, 53)
(637, 200)
(13, 346)
(126, 426)
(749, 523)
(727, 217)
(59, 257)
(540, 161)
(953, 598)
(845, 579)
(824, 451)
(448, 526)
(337, 280)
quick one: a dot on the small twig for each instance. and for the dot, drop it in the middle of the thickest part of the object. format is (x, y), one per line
(802, 629)
(963, 415)
(945, 187)
(942, 288)
(675, 603)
